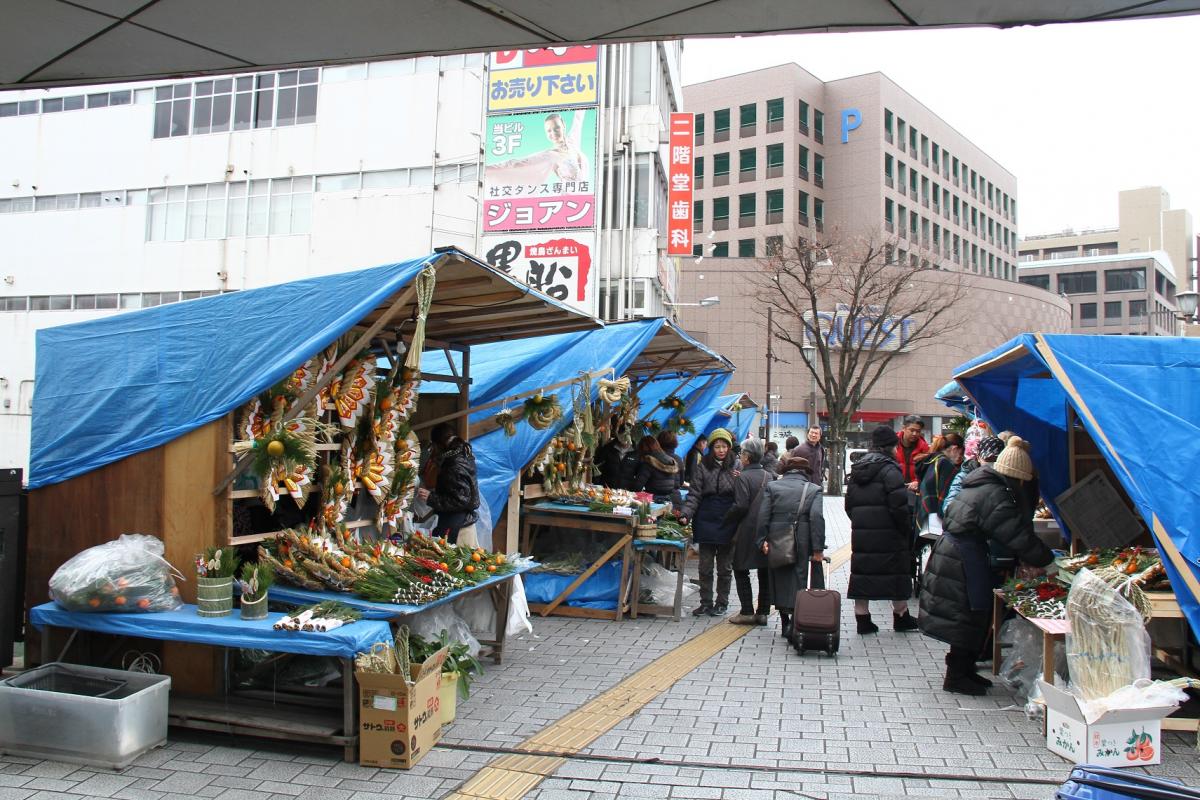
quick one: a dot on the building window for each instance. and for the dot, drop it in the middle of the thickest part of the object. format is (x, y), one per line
(889, 215)
(720, 250)
(697, 250)
(900, 129)
(819, 213)
(698, 215)
(803, 161)
(818, 126)
(720, 209)
(721, 125)
(699, 129)
(774, 245)
(720, 169)
(818, 169)
(1087, 315)
(888, 170)
(1077, 283)
(802, 208)
(775, 161)
(774, 206)
(887, 125)
(698, 165)
(746, 210)
(802, 117)
(1040, 281)
(1137, 309)
(1112, 312)
(280, 206)
(775, 115)
(748, 119)
(747, 164)
(745, 248)
(1124, 280)
(273, 99)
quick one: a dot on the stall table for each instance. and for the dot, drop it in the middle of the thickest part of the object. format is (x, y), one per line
(184, 625)
(619, 526)
(499, 587)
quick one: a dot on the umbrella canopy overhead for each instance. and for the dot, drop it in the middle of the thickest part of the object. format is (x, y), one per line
(61, 42)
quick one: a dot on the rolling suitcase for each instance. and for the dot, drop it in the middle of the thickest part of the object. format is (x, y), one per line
(817, 615)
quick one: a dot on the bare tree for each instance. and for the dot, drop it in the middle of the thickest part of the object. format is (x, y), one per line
(858, 310)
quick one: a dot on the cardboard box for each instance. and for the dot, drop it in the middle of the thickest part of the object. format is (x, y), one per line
(399, 721)
(1129, 737)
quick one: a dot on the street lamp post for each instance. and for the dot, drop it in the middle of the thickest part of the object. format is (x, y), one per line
(1185, 305)
(809, 352)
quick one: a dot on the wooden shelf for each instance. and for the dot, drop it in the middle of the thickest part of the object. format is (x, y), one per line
(251, 538)
(321, 447)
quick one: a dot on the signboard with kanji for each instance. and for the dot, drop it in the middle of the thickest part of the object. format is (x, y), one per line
(680, 174)
(540, 171)
(558, 264)
(549, 78)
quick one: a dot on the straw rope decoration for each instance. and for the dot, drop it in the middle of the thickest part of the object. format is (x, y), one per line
(425, 283)
(1107, 639)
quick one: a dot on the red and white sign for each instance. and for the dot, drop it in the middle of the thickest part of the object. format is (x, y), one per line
(680, 175)
(558, 264)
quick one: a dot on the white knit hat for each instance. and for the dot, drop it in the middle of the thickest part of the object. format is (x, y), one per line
(1014, 460)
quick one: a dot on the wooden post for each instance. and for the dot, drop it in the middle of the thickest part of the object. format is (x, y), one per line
(512, 517)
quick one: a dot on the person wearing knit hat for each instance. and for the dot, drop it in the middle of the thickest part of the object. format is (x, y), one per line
(881, 534)
(986, 451)
(709, 499)
(747, 491)
(990, 511)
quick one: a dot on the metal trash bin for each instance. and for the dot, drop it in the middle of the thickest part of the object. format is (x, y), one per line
(81, 714)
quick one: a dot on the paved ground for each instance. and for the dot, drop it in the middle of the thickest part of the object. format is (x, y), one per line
(756, 722)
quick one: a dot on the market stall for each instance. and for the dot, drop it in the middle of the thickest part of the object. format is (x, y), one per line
(279, 422)
(1110, 421)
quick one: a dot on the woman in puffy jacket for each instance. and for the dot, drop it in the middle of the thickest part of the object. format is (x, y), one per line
(658, 472)
(709, 499)
(956, 593)
(937, 470)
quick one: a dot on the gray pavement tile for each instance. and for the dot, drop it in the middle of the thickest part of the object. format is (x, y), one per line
(15, 793)
(103, 785)
(242, 794)
(42, 795)
(281, 787)
(184, 782)
(406, 785)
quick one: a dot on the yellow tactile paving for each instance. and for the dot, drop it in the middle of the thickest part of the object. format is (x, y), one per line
(511, 777)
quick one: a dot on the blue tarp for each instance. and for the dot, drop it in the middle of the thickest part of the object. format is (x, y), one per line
(739, 422)
(1137, 399)
(953, 397)
(598, 591)
(184, 625)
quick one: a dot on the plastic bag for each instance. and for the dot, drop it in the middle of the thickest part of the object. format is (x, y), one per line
(1022, 664)
(479, 612)
(659, 584)
(1140, 694)
(1108, 647)
(430, 624)
(128, 574)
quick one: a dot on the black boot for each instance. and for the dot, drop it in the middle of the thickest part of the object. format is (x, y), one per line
(958, 676)
(972, 673)
(704, 610)
(902, 623)
(785, 625)
(865, 625)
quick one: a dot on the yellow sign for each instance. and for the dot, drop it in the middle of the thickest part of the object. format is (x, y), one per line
(550, 86)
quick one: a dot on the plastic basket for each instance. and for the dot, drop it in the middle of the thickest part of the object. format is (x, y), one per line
(65, 681)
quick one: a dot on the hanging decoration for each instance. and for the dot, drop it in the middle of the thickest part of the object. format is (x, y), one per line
(354, 389)
(507, 419)
(542, 411)
(612, 392)
(395, 512)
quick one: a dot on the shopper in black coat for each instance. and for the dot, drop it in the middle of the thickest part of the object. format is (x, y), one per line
(455, 494)
(658, 473)
(956, 592)
(747, 557)
(881, 535)
(792, 518)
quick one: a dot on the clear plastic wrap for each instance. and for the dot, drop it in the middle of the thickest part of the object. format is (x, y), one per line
(1108, 647)
(659, 583)
(128, 574)
(1022, 664)
(430, 624)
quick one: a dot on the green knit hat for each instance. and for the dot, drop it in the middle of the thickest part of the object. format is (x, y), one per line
(720, 433)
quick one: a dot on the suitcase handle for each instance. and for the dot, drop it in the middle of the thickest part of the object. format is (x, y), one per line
(816, 573)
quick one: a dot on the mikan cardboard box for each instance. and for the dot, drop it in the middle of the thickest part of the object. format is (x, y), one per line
(400, 721)
(1121, 737)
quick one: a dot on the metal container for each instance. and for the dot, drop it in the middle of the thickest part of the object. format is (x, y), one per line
(84, 715)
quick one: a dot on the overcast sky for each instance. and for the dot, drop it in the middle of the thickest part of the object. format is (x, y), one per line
(1076, 112)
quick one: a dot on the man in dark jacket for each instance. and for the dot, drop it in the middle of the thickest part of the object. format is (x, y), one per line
(693, 458)
(812, 451)
(455, 492)
(956, 593)
(881, 535)
(747, 557)
(608, 460)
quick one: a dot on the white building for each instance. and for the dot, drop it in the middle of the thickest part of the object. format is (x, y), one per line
(124, 196)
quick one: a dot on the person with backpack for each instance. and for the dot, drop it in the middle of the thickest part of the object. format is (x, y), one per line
(747, 556)
(881, 535)
(956, 593)
(791, 533)
(708, 501)
(936, 472)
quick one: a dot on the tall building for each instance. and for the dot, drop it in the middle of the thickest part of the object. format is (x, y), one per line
(859, 156)
(1132, 293)
(1145, 223)
(851, 158)
(545, 163)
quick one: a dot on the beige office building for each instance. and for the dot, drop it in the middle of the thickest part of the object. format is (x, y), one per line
(1145, 223)
(783, 155)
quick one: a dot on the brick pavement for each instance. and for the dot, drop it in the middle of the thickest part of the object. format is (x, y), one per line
(756, 722)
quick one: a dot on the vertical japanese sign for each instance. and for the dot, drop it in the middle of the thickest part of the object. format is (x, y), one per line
(680, 175)
(558, 264)
(539, 171)
(552, 78)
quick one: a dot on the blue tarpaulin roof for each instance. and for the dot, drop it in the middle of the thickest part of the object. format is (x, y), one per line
(1137, 399)
(952, 396)
(739, 422)
(112, 387)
